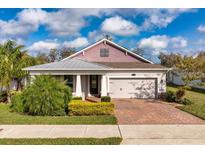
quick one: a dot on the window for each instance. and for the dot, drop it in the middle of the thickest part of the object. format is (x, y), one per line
(69, 80)
(104, 52)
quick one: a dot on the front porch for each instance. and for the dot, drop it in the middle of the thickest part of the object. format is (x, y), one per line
(84, 86)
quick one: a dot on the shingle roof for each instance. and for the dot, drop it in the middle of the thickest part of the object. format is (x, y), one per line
(69, 64)
(130, 65)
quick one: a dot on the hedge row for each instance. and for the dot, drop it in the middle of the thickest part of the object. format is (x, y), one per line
(78, 107)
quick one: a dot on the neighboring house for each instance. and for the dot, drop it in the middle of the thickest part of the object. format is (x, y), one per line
(107, 69)
(176, 78)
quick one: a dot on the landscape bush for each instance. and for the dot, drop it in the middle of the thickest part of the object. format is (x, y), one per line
(105, 99)
(18, 102)
(177, 97)
(77, 107)
(179, 94)
(170, 96)
(186, 101)
(77, 98)
(45, 96)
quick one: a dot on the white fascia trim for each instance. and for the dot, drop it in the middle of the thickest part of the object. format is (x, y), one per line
(133, 77)
(122, 69)
(63, 69)
(112, 44)
(97, 69)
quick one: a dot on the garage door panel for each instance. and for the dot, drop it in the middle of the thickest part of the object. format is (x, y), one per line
(132, 88)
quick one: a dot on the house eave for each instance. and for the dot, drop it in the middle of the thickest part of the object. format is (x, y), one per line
(63, 69)
(90, 69)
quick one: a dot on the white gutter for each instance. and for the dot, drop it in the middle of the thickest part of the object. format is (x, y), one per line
(94, 69)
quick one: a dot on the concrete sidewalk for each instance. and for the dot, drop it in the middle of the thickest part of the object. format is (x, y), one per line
(131, 134)
(57, 131)
(163, 134)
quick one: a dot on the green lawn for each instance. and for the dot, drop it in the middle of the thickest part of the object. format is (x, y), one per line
(62, 141)
(198, 108)
(7, 117)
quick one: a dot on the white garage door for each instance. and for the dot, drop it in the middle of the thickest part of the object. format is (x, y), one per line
(132, 88)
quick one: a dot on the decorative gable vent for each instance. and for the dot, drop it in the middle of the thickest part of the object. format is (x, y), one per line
(104, 52)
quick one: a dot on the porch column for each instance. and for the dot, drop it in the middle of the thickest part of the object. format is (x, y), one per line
(25, 81)
(103, 86)
(32, 78)
(78, 86)
(88, 85)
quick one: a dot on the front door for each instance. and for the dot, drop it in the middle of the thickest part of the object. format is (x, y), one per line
(93, 84)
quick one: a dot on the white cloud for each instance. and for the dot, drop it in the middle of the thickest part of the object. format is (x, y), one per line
(178, 42)
(12, 28)
(201, 28)
(43, 46)
(78, 42)
(162, 43)
(95, 35)
(47, 45)
(62, 22)
(160, 17)
(17, 40)
(32, 16)
(66, 22)
(155, 42)
(27, 21)
(119, 26)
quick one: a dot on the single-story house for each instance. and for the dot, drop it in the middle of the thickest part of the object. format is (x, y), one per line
(107, 69)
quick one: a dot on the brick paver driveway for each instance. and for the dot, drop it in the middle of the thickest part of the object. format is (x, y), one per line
(137, 111)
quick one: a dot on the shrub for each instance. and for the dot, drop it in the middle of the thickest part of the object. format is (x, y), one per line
(186, 101)
(170, 96)
(77, 107)
(45, 96)
(162, 96)
(3, 96)
(179, 94)
(14, 92)
(77, 98)
(17, 103)
(105, 99)
(187, 87)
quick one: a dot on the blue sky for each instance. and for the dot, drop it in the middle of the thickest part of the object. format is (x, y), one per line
(154, 30)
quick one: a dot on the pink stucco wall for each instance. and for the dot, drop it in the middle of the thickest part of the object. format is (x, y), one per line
(115, 55)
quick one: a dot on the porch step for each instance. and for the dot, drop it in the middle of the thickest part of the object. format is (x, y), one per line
(93, 99)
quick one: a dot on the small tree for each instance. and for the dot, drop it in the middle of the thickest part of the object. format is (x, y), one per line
(10, 55)
(65, 52)
(190, 69)
(170, 60)
(53, 55)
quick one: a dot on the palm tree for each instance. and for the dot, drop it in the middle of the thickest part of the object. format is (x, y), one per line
(23, 60)
(13, 59)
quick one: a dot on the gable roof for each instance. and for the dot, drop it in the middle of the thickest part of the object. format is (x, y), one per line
(114, 44)
(71, 64)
